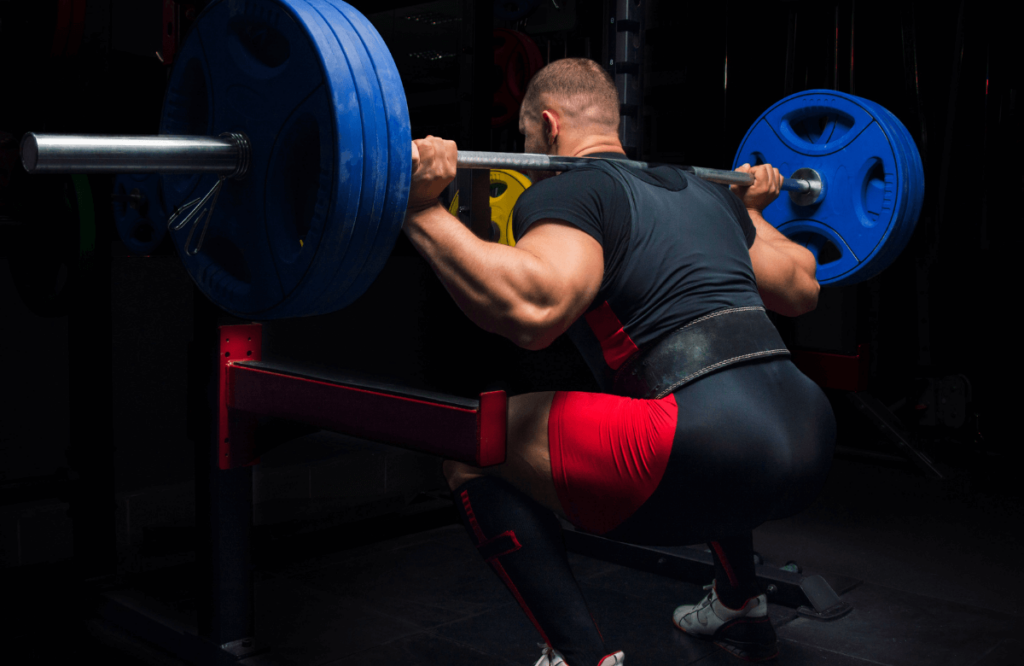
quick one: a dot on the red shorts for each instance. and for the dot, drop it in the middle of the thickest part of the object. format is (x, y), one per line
(608, 454)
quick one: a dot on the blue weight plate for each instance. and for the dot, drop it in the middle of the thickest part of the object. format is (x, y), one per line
(908, 216)
(897, 240)
(863, 166)
(259, 68)
(917, 184)
(399, 170)
(141, 226)
(386, 131)
(341, 48)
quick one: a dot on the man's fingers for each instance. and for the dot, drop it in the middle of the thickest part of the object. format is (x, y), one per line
(451, 154)
(454, 154)
(415, 156)
(424, 149)
(767, 177)
(440, 155)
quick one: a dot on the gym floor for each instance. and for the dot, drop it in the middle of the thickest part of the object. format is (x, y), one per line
(939, 564)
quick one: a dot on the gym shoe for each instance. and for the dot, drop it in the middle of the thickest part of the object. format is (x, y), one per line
(552, 657)
(746, 632)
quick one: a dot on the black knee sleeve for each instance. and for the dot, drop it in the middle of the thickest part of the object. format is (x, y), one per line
(522, 542)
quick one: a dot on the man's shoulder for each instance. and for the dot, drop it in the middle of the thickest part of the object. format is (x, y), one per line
(581, 181)
(587, 198)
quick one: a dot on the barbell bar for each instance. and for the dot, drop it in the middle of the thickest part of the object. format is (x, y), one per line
(225, 156)
(74, 153)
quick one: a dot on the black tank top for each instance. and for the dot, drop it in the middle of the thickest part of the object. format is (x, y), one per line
(675, 248)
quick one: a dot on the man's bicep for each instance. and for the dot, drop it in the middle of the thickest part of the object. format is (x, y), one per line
(571, 265)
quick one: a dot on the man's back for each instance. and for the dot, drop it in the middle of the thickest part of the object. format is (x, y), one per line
(675, 249)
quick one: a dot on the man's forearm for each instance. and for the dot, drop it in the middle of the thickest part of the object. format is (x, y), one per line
(486, 280)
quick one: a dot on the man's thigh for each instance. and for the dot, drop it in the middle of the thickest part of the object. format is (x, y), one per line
(527, 463)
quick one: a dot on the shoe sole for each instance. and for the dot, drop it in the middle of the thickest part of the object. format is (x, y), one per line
(746, 654)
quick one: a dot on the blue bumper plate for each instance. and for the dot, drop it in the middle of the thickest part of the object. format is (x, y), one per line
(869, 165)
(311, 85)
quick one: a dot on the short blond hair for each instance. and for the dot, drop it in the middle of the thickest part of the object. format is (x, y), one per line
(585, 91)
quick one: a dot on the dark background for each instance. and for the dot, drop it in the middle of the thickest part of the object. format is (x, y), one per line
(113, 372)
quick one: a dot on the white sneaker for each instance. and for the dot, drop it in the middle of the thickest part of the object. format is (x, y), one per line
(552, 657)
(746, 632)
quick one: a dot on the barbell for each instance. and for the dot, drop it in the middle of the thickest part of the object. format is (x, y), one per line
(68, 153)
(283, 162)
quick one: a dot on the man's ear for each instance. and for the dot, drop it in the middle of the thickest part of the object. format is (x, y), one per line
(551, 126)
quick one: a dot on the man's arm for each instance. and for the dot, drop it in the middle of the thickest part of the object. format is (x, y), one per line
(785, 271)
(530, 293)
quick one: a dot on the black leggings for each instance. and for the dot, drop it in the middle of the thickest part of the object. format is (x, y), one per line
(753, 442)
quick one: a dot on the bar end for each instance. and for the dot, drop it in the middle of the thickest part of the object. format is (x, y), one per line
(29, 152)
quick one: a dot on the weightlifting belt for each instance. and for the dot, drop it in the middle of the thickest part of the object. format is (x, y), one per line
(704, 345)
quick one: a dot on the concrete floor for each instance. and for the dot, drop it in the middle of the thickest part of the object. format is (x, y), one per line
(939, 565)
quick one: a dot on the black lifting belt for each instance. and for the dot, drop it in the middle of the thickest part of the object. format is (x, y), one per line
(704, 345)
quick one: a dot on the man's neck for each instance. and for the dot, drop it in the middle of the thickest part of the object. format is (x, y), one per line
(605, 148)
(590, 145)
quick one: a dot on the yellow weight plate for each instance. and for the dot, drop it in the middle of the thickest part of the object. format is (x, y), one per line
(506, 187)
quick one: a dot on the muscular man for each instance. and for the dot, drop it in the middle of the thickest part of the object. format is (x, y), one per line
(704, 428)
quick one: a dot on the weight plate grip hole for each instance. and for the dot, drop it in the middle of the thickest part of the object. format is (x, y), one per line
(188, 105)
(874, 194)
(259, 41)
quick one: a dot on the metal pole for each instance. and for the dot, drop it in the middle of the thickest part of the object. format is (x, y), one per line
(228, 155)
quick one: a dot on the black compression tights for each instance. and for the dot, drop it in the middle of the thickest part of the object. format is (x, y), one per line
(735, 580)
(753, 442)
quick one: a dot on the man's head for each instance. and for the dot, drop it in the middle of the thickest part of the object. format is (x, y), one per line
(569, 106)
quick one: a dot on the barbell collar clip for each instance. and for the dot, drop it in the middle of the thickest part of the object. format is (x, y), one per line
(198, 212)
(815, 191)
